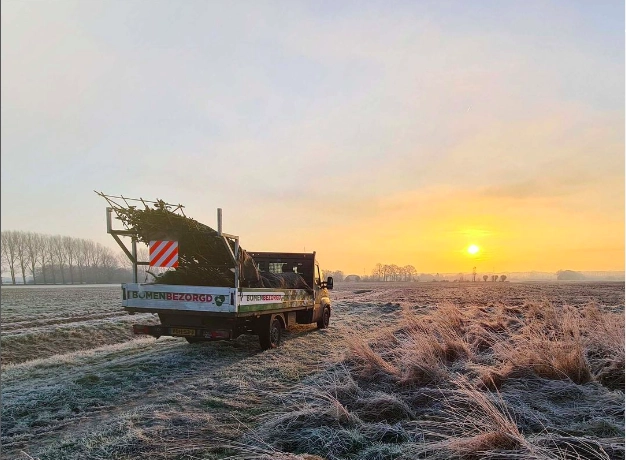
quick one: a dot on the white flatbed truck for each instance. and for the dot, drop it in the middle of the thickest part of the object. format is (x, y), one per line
(205, 313)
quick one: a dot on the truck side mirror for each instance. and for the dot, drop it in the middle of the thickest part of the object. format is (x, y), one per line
(329, 282)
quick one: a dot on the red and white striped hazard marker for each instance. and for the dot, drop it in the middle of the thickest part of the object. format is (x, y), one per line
(164, 253)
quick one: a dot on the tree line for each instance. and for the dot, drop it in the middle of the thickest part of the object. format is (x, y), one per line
(53, 259)
(384, 272)
(392, 272)
(381, 273)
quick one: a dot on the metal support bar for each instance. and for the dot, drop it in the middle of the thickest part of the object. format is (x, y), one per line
(134, 247)
(109, 226)
(226, 237)
(237, 267)
(123, 232)
(230, 250)
(132, 254)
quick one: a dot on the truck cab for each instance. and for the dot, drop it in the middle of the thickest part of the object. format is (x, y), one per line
(306, 265)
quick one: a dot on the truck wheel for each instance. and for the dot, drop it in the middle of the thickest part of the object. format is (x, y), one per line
(325, 320)
(270, 335)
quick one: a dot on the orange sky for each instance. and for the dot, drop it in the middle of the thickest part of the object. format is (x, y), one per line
(433, 231)
(532, 195)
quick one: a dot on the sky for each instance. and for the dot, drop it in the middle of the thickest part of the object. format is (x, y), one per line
(393, 132)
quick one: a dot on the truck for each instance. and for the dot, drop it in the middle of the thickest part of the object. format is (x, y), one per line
(208, 313)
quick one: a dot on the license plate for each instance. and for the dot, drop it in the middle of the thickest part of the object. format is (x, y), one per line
(183, 332)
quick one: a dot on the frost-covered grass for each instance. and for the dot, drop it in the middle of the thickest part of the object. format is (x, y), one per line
(40, 322)
(48, 341)
(24, 304)
(405, 371)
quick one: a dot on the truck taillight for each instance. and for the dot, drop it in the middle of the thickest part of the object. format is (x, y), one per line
(140, 329)
(220, 334)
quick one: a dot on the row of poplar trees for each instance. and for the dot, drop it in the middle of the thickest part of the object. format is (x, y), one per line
(54, 259)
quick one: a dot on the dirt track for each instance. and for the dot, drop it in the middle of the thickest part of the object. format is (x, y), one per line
(165, 398)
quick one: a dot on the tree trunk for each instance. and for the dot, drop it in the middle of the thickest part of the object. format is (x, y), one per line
(23, 272)
(32, 269)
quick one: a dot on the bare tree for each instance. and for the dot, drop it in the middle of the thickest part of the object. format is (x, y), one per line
(3, 260)
(410, 272)
(50, 258)
(9, 251)
(80, 259)
(502, 278)
(93, 255)
(59, 254)
(83, 257)
(22, 255)
(377, 272)
(42, 256)
(337, 275)
(70, 245)
(108, 262)
(485, 277)
(33, 243)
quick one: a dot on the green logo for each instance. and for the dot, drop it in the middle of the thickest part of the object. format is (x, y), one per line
(219, 300)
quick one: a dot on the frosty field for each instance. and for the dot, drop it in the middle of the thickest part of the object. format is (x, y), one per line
(420, 370)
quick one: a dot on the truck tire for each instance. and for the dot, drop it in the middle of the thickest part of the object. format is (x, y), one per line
(325, 319)
(270, 333)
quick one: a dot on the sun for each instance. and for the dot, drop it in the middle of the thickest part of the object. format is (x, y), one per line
(473, 249)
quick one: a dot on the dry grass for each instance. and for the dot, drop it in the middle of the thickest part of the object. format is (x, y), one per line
(480, 423)
(419, 352)
(369, 364)
(484, 381)
(550, 345)
(604, 345)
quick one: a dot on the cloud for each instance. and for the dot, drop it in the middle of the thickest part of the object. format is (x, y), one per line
(539, 188)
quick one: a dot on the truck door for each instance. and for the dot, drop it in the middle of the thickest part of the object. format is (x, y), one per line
(317, 310)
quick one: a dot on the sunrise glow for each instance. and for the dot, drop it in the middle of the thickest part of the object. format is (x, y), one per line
(473, 249)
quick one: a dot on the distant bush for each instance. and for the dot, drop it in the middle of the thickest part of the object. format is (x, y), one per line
(569, 275)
